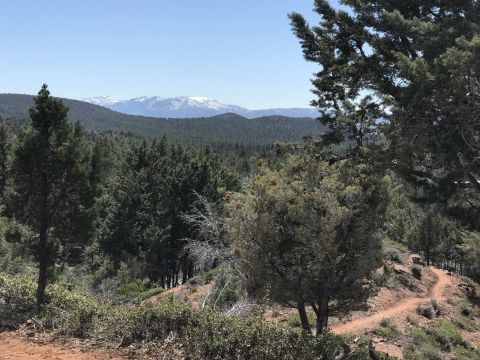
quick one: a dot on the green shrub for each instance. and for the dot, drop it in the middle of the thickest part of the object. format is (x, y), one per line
(132, 289)
(436, 307)
(463, 353)
(387, 329)
(201, 334)
(416, 270)
(426, 311)
(394, 255)
(411, 320)
(465, 323)
(446, 335)
(196, 280)
(220, 337)
(420, 337)
(17, 299)
(426, 352)
(407, 282)
(70, 312)
(149, 293)
(146, 322)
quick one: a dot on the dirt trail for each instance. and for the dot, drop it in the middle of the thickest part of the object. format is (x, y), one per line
(406, 306)
(12, 348)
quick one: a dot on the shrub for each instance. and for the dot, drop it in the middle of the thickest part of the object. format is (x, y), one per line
(387, 329)
(462, 353)
(201, 334)
(446, 335)
(132, 289)
(220, 337)
(70, 312)
(393, 255)
(407, 282)
(426, 311)
(465, 323)
(411, 320)
(429, 352)
(420, 337)
(149, 293)
(416, 270)
(194, 281)
(436, 307)
(17, 299)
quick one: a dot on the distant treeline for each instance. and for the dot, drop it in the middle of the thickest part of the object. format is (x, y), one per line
(226, 128)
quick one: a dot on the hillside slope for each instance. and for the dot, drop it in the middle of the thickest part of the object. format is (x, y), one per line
(230, 128)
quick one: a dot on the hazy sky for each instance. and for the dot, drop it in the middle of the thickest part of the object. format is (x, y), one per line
(239, 52)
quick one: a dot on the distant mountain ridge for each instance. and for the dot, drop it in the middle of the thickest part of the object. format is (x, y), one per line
(190, 107)
(225, 128)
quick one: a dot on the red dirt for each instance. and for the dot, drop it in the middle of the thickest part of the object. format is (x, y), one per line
(406, 306)
(193, 294)
(14, 348)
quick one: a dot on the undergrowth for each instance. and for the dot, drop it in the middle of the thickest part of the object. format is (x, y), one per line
(202, 334)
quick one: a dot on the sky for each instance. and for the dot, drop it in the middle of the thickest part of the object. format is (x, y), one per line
(238, 52)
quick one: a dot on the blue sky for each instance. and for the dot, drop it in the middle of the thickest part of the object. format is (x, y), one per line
(239, 52)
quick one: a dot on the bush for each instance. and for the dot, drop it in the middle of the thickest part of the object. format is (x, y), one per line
(201, 334)
(446, 335)
(394, 255)
(436, 307)
(407, 282)
(17, 299)
(146, 322)
(149, 293)
(69, 312)
(387, 329)
(416, 271)
(426, 311)
(132, 289)
(426, 352)
(220, 337)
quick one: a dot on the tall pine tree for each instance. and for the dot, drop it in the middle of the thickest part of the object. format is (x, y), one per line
(51, 172)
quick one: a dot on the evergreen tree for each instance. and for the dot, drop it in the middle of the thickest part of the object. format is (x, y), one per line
(5, 152)
(418, 63)
(51, 173)
(307, 235)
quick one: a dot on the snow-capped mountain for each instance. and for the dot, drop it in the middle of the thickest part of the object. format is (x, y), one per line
(103, 100)
(189, 107)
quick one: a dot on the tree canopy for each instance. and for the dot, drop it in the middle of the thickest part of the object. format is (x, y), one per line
(414, 68)
(315, 225)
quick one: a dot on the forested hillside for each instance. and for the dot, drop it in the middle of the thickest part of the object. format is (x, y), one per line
(228, 128)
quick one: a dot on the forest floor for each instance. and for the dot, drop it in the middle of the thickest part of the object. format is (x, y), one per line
(399, 305)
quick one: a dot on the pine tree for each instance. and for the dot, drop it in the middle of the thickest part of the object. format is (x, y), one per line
(418, 63)
(306, 234)
(5, 153)
(51, 173)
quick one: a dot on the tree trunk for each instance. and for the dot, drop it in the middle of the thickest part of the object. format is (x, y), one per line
(43, 267)
(322, 313)
(304, 318)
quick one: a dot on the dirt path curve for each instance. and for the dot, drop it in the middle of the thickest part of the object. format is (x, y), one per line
(406, 306)
(12, 348)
